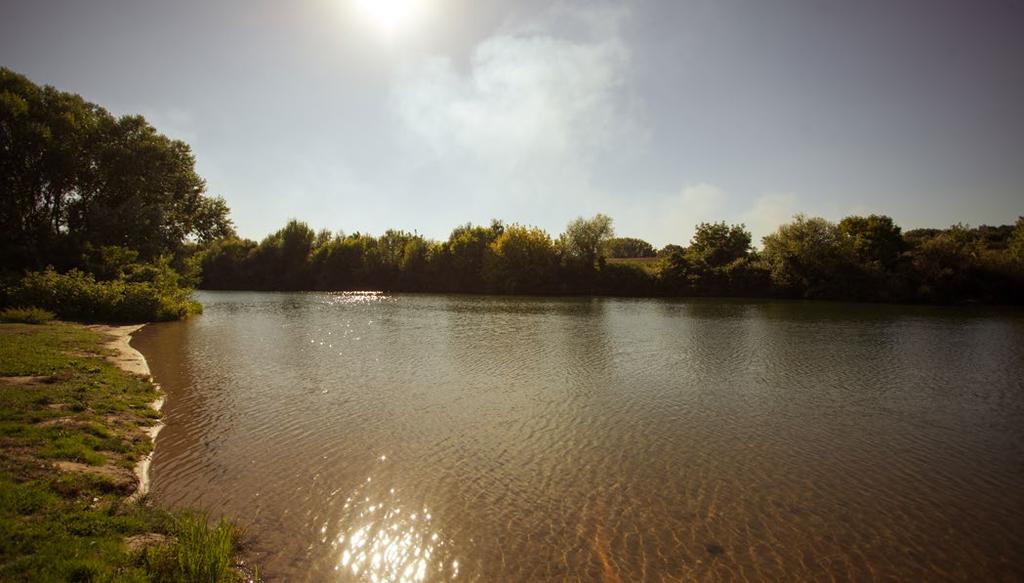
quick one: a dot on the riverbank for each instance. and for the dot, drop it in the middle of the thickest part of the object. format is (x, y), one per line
(130, 360)
(78, 415)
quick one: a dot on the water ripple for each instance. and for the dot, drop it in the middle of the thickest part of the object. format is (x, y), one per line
(366, 437)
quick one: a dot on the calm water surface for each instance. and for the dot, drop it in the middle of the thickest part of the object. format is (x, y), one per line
(380, 438)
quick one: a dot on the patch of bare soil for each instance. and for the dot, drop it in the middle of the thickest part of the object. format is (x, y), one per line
(122, 478)
(125, 357)
(59, 421)
(22, 381)
(141, 541)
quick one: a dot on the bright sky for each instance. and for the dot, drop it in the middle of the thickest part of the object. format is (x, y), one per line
(363, 115)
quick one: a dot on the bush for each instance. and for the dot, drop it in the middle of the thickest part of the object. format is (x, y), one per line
(78, 296)
(30, 315)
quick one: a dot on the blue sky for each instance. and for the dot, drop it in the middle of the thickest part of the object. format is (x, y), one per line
(660, 114)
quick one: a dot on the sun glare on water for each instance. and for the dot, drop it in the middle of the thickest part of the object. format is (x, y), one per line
(390, 17)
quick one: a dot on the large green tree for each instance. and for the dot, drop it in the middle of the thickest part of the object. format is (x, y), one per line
(522, 260)
(72, 175)
(717, 262)
(807, 256)
(466, 253)
(947, 265)
(875, 240)
(584, 240)
(719, 244)
(629, 247)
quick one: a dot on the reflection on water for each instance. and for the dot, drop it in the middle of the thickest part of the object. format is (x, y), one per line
(371, 437)
(364, 297)
(381, 539)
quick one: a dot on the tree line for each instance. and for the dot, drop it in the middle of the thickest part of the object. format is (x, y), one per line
(861, 258)
(102, 217)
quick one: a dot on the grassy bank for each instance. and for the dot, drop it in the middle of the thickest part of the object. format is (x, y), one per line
(72, 428)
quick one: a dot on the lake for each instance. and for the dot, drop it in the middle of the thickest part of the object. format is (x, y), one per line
(434, 438)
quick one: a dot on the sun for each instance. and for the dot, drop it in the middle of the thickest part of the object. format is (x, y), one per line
(390, 17)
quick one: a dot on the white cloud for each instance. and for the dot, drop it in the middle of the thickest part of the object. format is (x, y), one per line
(700, 202)
(671, 219)
(769, 212)
(529, 119)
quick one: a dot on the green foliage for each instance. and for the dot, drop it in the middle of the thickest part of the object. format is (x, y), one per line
(626, 278)
(805, 256)
(415, 264)
(109, 261)
(647, 264)
(874, 240)
(718, 262)
(199, 554)
(717, 244)
(669, 249)
(121, 213)
(30, 315)
(335, 263)
(282, 257)
(74, 175)
(673, 270)
(585, 240)
(297, 258)
(994, 238)
(225, 264)
(1016, 242)
(113, 204)
(628, 248)
(465, 254)
(944, 264)
(148, 293)
(861, 258)
(522, 260)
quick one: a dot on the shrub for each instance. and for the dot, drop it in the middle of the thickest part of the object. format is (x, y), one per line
(78, 296)
(31, 315)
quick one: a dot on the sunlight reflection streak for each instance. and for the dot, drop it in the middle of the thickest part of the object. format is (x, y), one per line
(379, 542)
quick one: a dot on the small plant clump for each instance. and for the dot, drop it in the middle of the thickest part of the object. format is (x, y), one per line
(197, 553)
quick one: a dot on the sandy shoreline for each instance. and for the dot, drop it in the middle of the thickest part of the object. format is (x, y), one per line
(130, 360)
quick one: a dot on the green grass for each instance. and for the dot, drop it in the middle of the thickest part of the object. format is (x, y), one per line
(75, 447)
(44, 350)
(26, 315)
(198, 553)
(72, 526)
